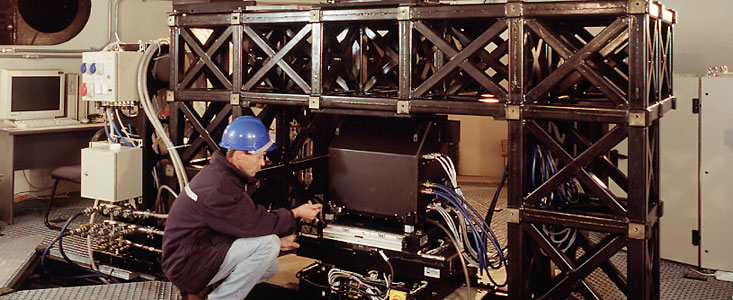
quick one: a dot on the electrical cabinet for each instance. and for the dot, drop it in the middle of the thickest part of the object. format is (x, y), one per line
(109, 76)
(111, 172)
(696, 167)
(716, 172)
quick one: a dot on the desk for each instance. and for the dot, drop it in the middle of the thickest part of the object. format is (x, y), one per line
(48, 147)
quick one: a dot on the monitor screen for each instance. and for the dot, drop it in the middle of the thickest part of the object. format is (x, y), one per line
(32, 94)
(35, 93)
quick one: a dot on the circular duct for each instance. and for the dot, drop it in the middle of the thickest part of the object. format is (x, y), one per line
(50, 22)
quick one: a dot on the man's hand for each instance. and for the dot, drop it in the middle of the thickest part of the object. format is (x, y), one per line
(288, 243)
(307, 211)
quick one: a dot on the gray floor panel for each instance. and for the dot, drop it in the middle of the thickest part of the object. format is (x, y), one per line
(17, 254)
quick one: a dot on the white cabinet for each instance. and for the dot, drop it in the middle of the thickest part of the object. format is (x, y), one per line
(716, 173)
(679, 142)
(111, 172)
(696, 170)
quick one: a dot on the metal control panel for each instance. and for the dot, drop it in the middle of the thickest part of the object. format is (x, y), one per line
(109, 76)
(111, 172)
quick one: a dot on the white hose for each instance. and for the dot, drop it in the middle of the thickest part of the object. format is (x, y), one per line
(92, 263)
(142, 78)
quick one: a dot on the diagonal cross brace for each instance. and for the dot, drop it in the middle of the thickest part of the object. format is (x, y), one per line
(460, 59)
(576, 166)
(565, 285)
(277, 58)
(613, 273)
(487, 59)
(220, 117)
(387, 53)
(205, 57)
(562, 261)
(603, 162)
(576, 61)
(605, 68)
(194, 120)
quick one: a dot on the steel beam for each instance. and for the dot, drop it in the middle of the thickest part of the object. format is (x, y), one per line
(560, 85)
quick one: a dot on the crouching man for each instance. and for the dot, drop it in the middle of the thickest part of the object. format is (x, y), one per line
(215, 232)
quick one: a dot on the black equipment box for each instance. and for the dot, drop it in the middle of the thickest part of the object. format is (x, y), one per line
(376, 166)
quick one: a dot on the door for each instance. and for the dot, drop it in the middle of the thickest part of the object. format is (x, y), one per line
(716, 173)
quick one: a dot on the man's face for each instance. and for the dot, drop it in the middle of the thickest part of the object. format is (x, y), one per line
(248, 163)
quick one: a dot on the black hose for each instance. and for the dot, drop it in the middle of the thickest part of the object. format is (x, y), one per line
(59, 238)
(490, 213)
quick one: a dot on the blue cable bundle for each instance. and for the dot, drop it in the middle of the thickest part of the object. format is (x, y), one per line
(94, 274)
(543, 168)
(480, 235)
(117, 130)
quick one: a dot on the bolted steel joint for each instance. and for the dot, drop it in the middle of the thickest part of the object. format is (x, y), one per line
(514, 9)
(636, 7)
(637, 231)
(314, 102)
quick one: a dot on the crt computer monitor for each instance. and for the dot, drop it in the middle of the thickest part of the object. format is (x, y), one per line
(31, 94)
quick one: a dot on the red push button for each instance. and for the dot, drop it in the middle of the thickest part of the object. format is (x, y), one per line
(83, 89)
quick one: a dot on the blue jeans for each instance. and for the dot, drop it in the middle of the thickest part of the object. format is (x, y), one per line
(248, 262)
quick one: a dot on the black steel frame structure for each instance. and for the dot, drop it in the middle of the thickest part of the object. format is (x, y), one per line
(578, 78)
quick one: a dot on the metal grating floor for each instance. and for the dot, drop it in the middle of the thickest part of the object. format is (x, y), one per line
(28, 221)
(152, 290)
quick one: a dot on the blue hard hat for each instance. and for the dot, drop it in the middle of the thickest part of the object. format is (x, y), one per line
(247, 133)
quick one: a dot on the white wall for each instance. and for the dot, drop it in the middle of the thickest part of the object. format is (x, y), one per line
(703, 36)
(479, 152)
(139, 20)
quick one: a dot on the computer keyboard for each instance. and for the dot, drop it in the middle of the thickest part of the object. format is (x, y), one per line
(36, 123)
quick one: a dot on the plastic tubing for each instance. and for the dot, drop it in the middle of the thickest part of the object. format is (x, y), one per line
(463, 262)
(485, 226)
(106, 129)
(478, 242)
(142, 76)
(117, 130)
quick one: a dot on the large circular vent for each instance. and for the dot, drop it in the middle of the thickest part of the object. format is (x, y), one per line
(48, 16)
(50, 22)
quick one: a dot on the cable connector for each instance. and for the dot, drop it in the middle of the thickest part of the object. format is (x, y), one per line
(428, 184)
(459, 192)
(92, 209)
(427, 191)
(431, 155)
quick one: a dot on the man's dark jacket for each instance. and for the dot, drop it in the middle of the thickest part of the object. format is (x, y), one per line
(206, 218)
